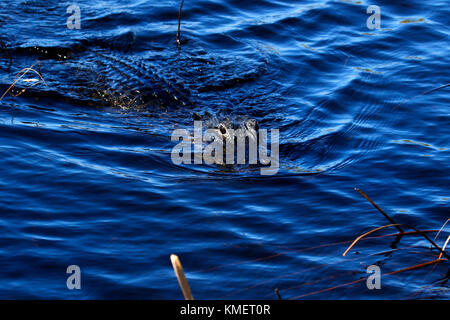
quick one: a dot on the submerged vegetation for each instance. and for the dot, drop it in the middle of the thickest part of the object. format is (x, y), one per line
(439, 254)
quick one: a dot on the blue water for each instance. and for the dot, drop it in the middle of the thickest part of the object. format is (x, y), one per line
(89, 181)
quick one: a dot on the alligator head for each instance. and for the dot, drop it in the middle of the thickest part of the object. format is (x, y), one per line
(238, 137)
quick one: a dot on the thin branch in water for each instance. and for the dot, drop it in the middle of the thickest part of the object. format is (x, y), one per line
(435, 89)
(179, 23)
(398, 226)
(423, 93)
(443, 248)
(379, 209)
(393, 225)
(421, 265)
(366, 234)
(441, 228)
(430, 241)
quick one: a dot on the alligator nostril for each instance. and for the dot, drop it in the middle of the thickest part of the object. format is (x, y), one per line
(222, 129)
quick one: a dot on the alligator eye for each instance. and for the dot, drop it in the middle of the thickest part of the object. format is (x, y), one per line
(222, 129)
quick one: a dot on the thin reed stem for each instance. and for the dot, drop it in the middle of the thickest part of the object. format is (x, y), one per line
(379, 209)
(366, 234)
(443, 248)
(441, 228)
(184, 285)
(278, 294)
(179, 23)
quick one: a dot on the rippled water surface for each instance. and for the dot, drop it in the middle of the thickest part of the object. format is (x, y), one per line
(86, 176)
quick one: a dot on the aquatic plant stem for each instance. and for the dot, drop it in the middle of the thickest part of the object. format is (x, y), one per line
(179, 23)
(278, 294)
(365, 234)
(184, 285)
(379, 209)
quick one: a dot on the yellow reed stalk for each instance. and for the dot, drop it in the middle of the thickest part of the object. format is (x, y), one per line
(184, 285)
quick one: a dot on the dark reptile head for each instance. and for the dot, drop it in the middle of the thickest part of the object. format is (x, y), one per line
(228, 130)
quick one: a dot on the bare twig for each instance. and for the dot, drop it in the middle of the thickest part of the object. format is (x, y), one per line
(379, 209)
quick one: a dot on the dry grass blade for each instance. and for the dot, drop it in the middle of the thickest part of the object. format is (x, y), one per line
(366, 234)
(19, 76)
(441, 228)
(379, 209)
(177, 267)
(443, 248)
